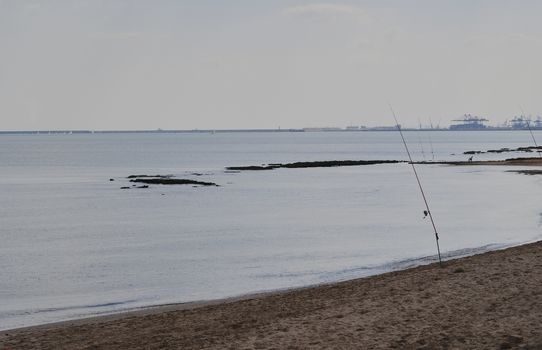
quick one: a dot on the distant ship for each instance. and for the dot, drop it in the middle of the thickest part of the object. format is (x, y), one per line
(469, 122)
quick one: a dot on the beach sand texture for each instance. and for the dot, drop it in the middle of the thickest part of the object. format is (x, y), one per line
(487, 301)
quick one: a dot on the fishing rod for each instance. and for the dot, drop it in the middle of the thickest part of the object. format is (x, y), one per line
(431, 140)
(420, 138)
(532, 135)
(427, 212)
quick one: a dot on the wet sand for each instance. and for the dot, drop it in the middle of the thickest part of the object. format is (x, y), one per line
(487, 301)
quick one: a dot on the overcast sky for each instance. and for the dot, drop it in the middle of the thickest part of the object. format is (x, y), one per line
(210, 64)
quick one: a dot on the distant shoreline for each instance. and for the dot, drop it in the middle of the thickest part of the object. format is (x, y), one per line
(222, 131)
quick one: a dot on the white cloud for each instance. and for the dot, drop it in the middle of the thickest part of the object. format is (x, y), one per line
(328, 11)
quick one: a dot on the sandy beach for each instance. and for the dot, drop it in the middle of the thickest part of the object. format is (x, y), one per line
(487, 301)
(270, 174)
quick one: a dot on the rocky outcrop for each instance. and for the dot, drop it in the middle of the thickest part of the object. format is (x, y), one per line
(504, 150)
(317, 164)
(171, 181)
(149, 176)
(532, 161)
(527, 172)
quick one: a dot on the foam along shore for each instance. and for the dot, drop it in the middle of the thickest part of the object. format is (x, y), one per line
(486, 301)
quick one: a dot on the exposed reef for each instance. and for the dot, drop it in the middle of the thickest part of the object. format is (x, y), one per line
(170, 181)
(503, 150)
(527, 172)
(152, 176)
(165, 180)
(317, 164)
(533, 161)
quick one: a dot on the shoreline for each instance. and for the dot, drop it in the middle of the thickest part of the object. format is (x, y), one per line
(390, 267)
(481, 291)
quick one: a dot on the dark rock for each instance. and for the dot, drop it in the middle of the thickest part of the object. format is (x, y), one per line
(169, 181)
(532, 161)
(144, 186)
(111, 179)
(337, 163)
(316, 164)
(527, 172)
(530, 149)
(251, 167)
(499, 150)
(502, 150)
(125, 188)
(150, 176)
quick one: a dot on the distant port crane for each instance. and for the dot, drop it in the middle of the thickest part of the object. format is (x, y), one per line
(469, 122)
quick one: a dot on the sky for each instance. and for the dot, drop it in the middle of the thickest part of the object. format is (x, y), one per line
(211, 64)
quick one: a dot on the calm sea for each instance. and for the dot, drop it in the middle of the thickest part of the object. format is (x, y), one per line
(73, 244)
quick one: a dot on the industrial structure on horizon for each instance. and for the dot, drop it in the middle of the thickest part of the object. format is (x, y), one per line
(470, 122)
(467, 122)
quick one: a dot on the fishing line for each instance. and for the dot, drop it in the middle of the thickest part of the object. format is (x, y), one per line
(532, 135)
(428, 211)
(420, 139)
(431, 140)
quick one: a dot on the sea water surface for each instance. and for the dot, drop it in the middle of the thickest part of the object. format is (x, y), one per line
(73, 244)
